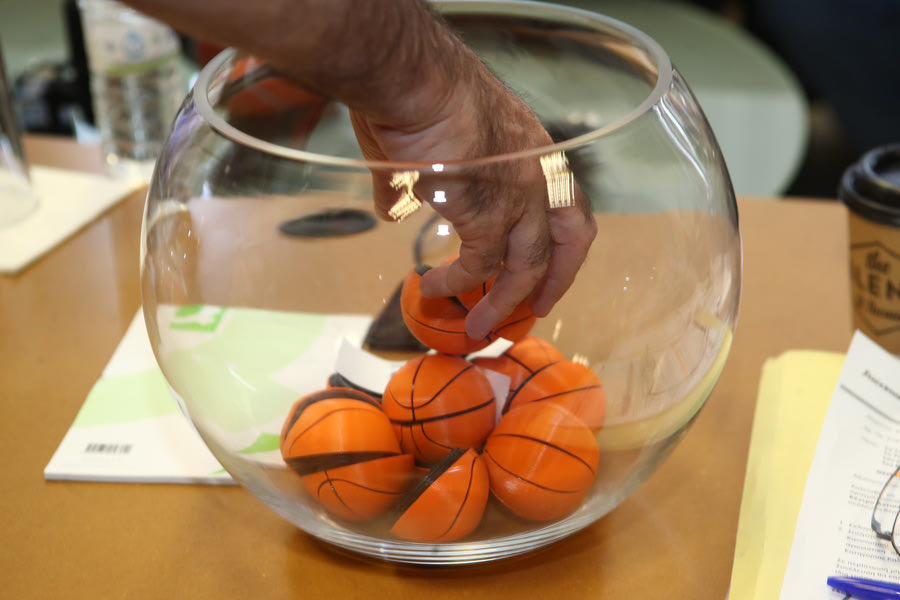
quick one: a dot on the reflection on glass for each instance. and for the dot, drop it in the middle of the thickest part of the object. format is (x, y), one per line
(407, 203)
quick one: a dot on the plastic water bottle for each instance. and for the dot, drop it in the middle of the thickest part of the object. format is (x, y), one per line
(136, 83)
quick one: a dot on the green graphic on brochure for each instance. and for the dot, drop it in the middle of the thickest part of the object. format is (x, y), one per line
(239, 370)
(147, 397)
(184, 313)
(227, 377)
(210, 370)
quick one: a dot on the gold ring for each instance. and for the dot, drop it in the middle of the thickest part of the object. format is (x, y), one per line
(407, 204)
(560, 181)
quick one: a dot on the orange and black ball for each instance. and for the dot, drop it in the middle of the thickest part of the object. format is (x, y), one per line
(438, 402)
(363, 490)
(337, 424)
(344, 448)
(514, 327)
(448, 503)
(521, 360)
(542, 461)
(440, 323)
(567, 383)
(268, 94)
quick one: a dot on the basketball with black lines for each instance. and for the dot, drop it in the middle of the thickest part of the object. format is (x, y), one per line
(440, 323)
(542, 461)
(338, 422)
(344, 449)
(448, 503)
(514, 327)
(363, 490)
(438, 402)
(521, 360)
(566, 383)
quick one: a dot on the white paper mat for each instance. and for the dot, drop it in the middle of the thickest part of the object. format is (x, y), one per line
(68, 200)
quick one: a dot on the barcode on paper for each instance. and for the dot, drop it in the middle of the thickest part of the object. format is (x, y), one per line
(97, 448)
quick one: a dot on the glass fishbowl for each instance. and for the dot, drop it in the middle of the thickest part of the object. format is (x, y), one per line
(285, 312)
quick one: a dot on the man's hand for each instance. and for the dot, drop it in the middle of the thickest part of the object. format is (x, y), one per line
(417, 93)
(500, 209)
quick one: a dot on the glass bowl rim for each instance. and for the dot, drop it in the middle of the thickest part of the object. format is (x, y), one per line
(200, 92)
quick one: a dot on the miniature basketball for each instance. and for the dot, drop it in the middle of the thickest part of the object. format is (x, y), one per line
(521, 360)
(514, 327)
(333, 428)
(440, 323)
(567, 383)
(438, 402)
(270, 95)
(542, 461)
(363, 490)
(448, 502)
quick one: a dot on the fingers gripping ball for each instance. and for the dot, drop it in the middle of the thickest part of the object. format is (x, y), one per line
(363, 490)
(440, 323)
(514, 327)
(567, 383)
(438, 402)
(448, 502)
(542, 461)
(521, 360)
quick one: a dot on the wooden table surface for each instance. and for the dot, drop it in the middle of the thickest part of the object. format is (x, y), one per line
(61, 319)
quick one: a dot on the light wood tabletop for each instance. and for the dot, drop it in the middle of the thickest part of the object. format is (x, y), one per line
(62, 317)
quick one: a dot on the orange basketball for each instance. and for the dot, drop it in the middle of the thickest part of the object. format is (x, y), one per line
(542, 461)
(362, 490)
(567, 383)
(448, 502)
(270, 94)
(438, 402)
(521, 360)
(334, 428)
(514, 327)
(440, 323)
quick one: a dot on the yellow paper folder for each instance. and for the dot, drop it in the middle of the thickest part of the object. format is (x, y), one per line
(794, 392)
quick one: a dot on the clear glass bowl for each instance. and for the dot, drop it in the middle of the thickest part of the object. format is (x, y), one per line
(265, 273)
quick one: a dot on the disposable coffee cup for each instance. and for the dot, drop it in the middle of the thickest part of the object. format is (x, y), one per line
(871, 190)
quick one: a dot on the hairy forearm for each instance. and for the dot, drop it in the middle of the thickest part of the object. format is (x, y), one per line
(380, 56)
(417, 93)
